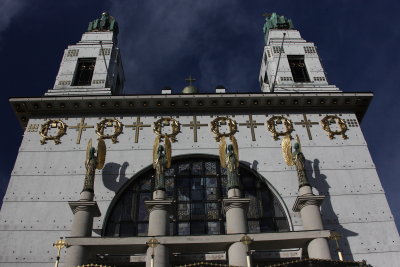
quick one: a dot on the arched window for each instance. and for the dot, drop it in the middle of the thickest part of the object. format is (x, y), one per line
(198, 185)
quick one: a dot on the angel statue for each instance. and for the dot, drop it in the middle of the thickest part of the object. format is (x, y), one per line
(93, 162)
(295, 158)
(229, 159)
(161, 161)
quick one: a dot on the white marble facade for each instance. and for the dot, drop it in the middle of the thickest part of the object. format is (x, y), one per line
(45, 177)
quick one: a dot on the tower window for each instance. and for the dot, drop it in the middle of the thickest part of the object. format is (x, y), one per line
(84, 71)
(298, 68)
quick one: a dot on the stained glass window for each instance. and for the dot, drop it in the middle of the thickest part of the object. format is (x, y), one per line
(197, 185)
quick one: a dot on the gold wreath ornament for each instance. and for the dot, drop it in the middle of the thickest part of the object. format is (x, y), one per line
(279, 119)
(175, 128)
(325, 122)
(101, 126)
(59, 124)
(232, 126)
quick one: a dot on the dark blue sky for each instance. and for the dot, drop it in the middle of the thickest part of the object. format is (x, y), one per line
(218, 42)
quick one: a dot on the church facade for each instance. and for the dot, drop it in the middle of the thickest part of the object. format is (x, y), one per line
(243, 179)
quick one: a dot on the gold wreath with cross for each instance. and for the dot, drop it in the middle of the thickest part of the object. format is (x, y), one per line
(325, 122)
(215, 124)
(279, 119)
(59, 124)
(101, 126)
(175, 128)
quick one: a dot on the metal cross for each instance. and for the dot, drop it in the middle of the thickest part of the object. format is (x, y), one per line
(308, 124)
(251, 124)
(137, 127)
(195, 125)
(59, 245)
(80, 127)
(190, 80)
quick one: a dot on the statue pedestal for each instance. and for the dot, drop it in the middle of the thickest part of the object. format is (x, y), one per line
(84, 211)
(235, 209)
(159, 209)
(308, 205)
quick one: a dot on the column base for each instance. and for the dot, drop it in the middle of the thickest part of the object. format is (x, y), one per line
(76, 256)
(319, 249)
(160, 256)
(237, 254)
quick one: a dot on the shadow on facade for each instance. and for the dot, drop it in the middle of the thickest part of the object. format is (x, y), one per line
(330, 218)
(114, 175)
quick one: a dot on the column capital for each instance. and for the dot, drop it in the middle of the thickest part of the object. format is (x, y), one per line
(159, 205)
(306, 200)
(85, 206)
(229, 203)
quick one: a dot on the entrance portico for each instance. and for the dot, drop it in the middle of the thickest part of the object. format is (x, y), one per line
(196, 244)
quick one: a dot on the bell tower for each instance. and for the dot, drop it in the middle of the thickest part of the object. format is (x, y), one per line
(290, 63)
(93, 66)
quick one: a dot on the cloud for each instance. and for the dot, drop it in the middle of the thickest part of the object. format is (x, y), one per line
(8, 10)
(162, 44)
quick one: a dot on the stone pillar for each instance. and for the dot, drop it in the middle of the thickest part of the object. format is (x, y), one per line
(159, 209)
(84, 210)
(308, 205)
(235, 209)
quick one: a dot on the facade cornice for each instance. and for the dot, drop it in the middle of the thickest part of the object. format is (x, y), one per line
(181, 104)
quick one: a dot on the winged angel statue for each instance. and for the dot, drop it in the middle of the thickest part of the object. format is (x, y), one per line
(295, 158)
(93, 161)
(229, 159)
(161, 160)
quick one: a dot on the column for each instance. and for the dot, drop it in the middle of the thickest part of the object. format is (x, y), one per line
(308, 205)
(84, 211)
(235, 209)
(159, 209)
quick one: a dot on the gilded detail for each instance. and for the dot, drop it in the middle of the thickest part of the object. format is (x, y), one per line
(295, 158)
(271, 126)
(327, 120)
(217, 122)
(59, 124)
(118, 126)
(175, 128)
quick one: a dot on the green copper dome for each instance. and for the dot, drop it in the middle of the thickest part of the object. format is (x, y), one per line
(190, 89)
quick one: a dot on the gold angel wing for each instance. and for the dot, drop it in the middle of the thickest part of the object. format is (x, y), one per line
(88, 147)
(155, 148)
(298, 141)
(101, 154)
(287, 150)
(168, 151)
(235, 149)
(222, 152)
